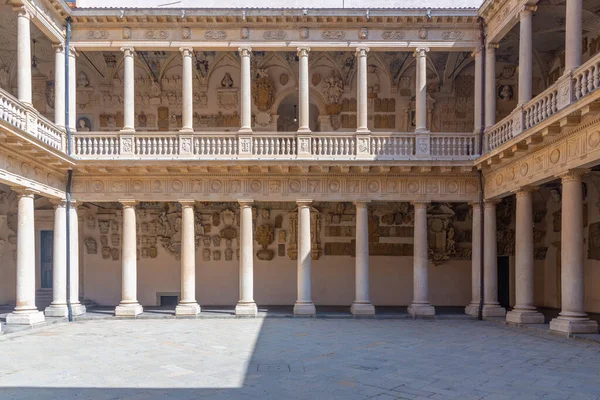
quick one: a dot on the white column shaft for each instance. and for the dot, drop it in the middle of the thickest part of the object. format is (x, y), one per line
(303, 89)
(72, 90)
(478, 93)
(574, 34)
(24, 57)
(304, 255)
(129, 289)
(490, 85)
(362, 254)
(572, 259)
(59, 256)
(129, 90)
(362, 88)
(187, 90)
(524, 267)
(246, 255)
(74, 255)
(420, 273)
(246, 91)
(525, 56)
(188, 255)
(421, 91)
(25, 254)
(59, 86)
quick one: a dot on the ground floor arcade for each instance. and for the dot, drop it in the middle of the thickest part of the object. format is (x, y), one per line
(129, 254)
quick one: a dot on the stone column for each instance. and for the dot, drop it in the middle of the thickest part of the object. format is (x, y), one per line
(478, 92)
(574, 35)
(25, 312)
(72, 89)
(59, 85)
(572, 318)
(524, 311)
(187, 304)
(187, 91)
(421, 91)
(304, 305)
(24, 56)
(473, 308)
(490, 84)
(525, 54)
(420, 306)
(129, 306)
(362, 304)
(58, 307)
(361, 92)
(246, 90)
(246, 306)
(129, 90)
(491, 306)
(303, 87)
(76, 307)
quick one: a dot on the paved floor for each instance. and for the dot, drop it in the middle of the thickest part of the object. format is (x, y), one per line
(285, 358)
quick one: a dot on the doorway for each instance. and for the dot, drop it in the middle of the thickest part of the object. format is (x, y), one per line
(504, 281)
(287, 112)
(46, 256)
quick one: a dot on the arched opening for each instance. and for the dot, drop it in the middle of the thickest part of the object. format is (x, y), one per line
(288, 115)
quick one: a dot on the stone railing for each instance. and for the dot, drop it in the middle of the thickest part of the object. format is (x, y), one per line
(274, 145)
(27, 119)
(569, 89)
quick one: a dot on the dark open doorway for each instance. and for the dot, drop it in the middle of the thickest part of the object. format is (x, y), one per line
(504, 281)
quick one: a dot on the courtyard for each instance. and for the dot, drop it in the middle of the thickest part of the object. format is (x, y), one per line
(295, 358)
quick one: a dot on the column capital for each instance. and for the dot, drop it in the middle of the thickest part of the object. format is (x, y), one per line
(73, 52)
(525, 191)
(361, 51)
(24, 191)
(128, 203)
(420, 204)
(59, 48)
(23, 12)
(128, 51)
(572, 175)
(491, 46)
(491, 203)
(476, 52)
(58, 203)
(362, 203)
(186, 51)
(303, 51)
(187, 203)
(304, 202)
(526, 10)
(245, 51)
(421, 51)
(246, 202)
(475, 204)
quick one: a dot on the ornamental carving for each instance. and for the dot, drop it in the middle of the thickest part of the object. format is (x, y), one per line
(265, 235)
(155, 34)
(126, 34)
(363, 33)
(274, 35)
(440, 233)
(91, 246)
(244, 33)
(304, 33)
(186, 33)
(97, 35)
(452, 35)
(263, 91)
(422, 33)
(215, 35)
(332, 88)
(333, 35)
(392, 35)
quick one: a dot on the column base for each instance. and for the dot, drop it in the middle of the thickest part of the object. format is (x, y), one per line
(245, 130)
(570, 325)
(421, 310)
(518, 316)
(305, 308)
(472, 309)
(128, 310)
(29, 317)
(246, 309)
(363, 130)
(362, 309)
(187, 309)
(304, 130)
(493, 310)
(78, 309)
(56, 310)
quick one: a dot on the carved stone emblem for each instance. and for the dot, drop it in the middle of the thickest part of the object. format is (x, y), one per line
(126, 33)
(186, 33)
(274, 35)
(263, 91)
(265, 234)
(244, 33)
(392, 35)
(422, 33)
(363, 33)
(215, 35)
(97, 35)
(156, 34)
(333, 35)
(304, 33)
(91, 246)
(452, 35)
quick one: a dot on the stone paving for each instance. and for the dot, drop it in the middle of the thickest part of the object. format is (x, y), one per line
(295, 358)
